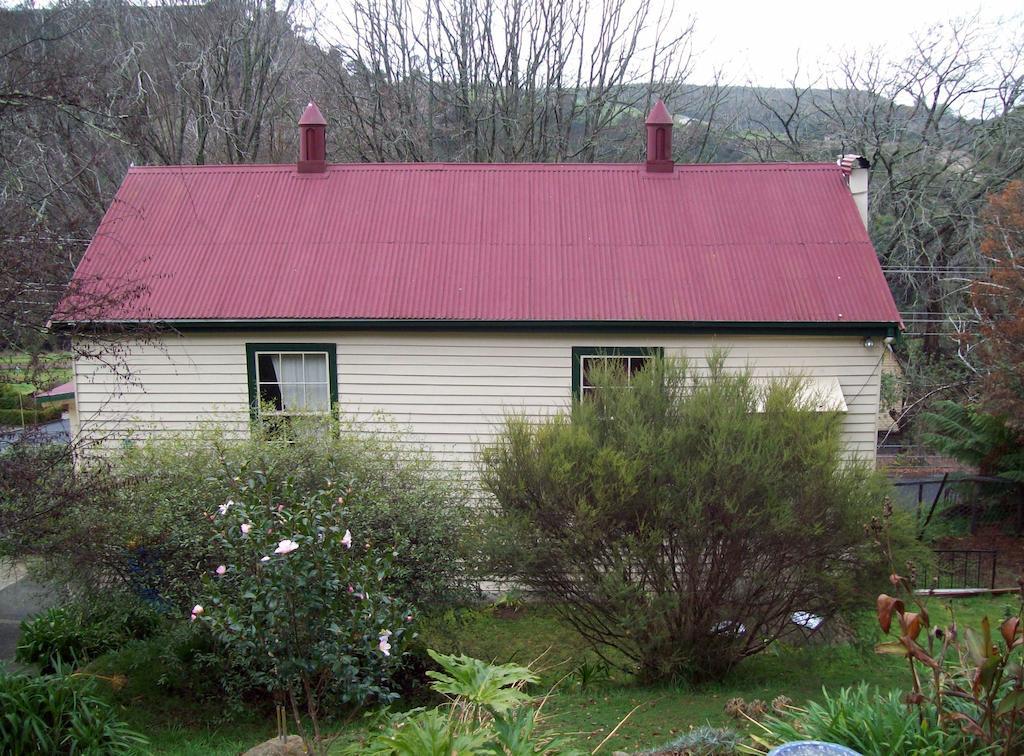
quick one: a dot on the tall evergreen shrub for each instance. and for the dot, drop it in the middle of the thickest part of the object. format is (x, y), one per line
(682, 522)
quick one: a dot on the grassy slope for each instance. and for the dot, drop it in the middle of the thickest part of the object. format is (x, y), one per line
(50, 370)
(589, 715)
(177, 726)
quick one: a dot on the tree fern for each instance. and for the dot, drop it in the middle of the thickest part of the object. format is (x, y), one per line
(975, 438)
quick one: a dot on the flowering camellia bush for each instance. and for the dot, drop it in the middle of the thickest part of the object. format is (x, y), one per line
(300, 600)
(135, 522)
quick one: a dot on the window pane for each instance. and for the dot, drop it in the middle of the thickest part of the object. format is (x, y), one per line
(317, 397)
(316, 368)
(291, 368)
(290, 381)
(270, 394)
(636, 364)
(265, 366)
(602, 364)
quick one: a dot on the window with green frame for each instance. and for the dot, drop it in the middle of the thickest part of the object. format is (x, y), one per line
(287, 380)
(631, 360)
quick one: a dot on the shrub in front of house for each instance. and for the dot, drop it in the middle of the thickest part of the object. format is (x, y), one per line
(301, 601)
(682, 521)
(139, 519)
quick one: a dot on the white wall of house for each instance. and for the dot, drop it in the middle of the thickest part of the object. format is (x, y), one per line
(446, 392)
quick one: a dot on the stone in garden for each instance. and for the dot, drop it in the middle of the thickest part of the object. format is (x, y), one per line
(290, 746)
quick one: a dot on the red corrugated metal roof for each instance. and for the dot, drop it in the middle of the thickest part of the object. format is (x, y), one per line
(746, 243)
(63, 392)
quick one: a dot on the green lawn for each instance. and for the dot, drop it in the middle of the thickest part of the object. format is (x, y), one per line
(50, 369)
(535, 634)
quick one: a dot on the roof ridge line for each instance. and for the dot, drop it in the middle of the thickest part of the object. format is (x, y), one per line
(331, 167)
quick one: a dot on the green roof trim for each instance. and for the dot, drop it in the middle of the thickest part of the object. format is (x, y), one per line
(70, 396)
(620, 326)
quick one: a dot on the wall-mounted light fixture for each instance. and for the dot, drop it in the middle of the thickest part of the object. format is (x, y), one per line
(869, 342)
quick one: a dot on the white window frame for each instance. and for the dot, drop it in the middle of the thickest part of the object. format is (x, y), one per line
(629, 354)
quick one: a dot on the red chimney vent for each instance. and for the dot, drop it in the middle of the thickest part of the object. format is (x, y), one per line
(659, 139)
(312, 141)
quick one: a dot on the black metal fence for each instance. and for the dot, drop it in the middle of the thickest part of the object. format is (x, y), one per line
(963, 568)
(968, 496)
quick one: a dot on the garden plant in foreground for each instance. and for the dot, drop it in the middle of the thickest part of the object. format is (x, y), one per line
(965, 678)
(60, 713)
(965, 692)
(487, 712)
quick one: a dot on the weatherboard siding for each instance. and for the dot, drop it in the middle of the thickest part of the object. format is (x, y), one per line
(445, 392)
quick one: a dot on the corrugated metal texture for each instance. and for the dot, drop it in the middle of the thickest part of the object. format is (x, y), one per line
(62, 391)
(728, 243)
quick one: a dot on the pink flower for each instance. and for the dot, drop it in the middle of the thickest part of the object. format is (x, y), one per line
(408, 618)
(346, 540)
(265, 559)
(196, 611)
(246, 527)
(221, 570)
(384, 646)
(351, 589)
(286, 547)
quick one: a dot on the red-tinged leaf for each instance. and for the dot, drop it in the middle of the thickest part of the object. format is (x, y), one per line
(919, 653)
(1011, 631)
(891, 647)
(967, 724)
(910, 624)
(986, 675)
(1012, 701)
(886, 606)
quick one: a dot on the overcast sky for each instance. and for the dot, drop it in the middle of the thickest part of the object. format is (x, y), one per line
(759, 40)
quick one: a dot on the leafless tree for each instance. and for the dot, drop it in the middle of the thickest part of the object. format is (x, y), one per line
(87, 87)
(942, 127)
(511, 81)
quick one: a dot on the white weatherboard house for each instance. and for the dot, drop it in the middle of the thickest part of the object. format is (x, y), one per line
(430, 300)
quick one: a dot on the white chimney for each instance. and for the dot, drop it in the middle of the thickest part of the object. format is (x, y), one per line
(856, 170)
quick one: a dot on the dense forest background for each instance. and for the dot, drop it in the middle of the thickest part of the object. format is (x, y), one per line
(88, 87)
